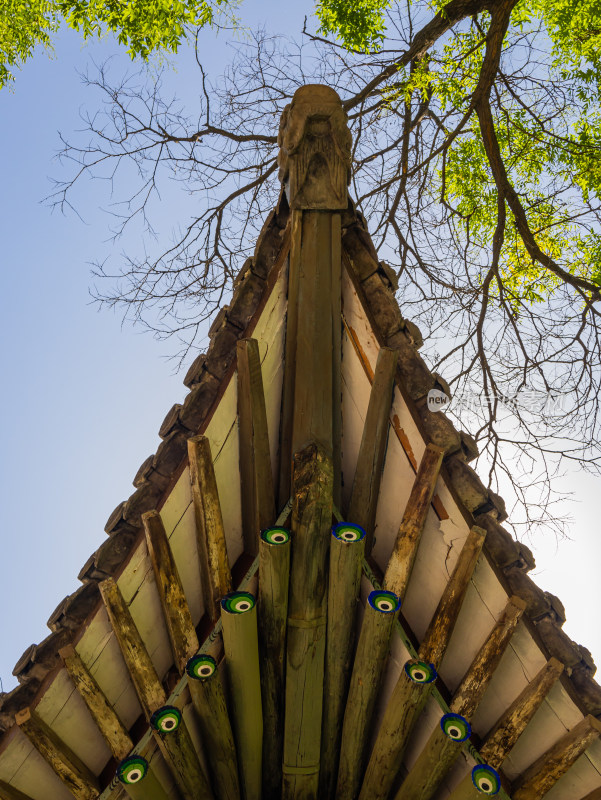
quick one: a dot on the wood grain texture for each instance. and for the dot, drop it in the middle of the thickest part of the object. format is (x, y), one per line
(74, 774)
(216, 577)
(110, 726)
(305, 650)
(434, 761)
(182, 759)
(346, 559)
(274, 576)
(541, 776)
(412, 525)
(139, 664)
(258, 498)
(182, 634)
(370, 461)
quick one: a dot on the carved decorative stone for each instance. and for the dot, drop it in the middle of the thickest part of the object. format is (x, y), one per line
(315, 149)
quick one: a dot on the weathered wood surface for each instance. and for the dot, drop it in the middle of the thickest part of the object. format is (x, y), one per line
(241, 644)
(305, 650)
(182, 759)
(412, 525)
(216, 577)
(440, 752)
(8, 792)
(147, 787)
(110, 726)
(218, 738)
(182, 634)
(149, 688)
(370, 461)
(256, 478)
(336, 313)
(368, 669)
(274, 575)
(541, 776)
(408, 698)
(346, 559)
(74, 774)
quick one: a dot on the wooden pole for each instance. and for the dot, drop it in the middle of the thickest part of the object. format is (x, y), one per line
(176, 745)
(241, 644)
(74, 774)
(370, 461)
(443, 748)
(8, 792)
(110, 726)
(412, 525)
(208, 698)
(182, 634)
(366, 677)
(305, 648)
(541, 776)
(258, 499)
(139, 781)
(216, 577)
(347, 547)
(274, 576)
(409, 697)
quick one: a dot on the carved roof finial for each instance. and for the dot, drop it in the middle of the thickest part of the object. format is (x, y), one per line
(315, 149)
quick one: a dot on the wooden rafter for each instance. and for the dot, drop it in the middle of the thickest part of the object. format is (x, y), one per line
(182, 634)
(8, 792)
(256, 478)
(216, 577)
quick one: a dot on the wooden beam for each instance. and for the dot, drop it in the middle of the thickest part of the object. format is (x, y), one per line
(409, 697)
(412, 525)
(366, 678)
(347, 547)
(216, 577)
(500, 740)
(441, 750)
(208, 698)
(305, 650)
(258, 498)
(110, 726)
(274, 576)
(182, 634)
(138, 779)
(139, 665)
(74, 774)
(174, 740)
(541, 776)
(336, 316)
(594, 795)
(241, 644)
(9, 792)
(370, 461)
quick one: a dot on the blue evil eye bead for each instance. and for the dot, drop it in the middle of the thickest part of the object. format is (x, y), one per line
(383, 601)
(132, 769)
(275, 535)
(166, 719)
(201, 667)
(347, 532)
(238, 602)
(486, 779)
(419, 671)
(455, 727)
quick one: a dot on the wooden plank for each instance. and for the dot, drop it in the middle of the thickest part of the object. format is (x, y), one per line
(408, 698)
(139, 665)
(441, 750)
(9, 792)
(241, 645)
(215, 573)
(412, 525)
(258, 498)
(182, 634)
(541, 776)
(208, 698)
(347, 547)
(137, 777)
(305, 649)
(110, 726)
(366, 678)
(336, 316)
(370, 461)
(74, 774)
(274, 576)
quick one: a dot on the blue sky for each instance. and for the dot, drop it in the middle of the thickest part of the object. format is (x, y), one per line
(83, 396)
